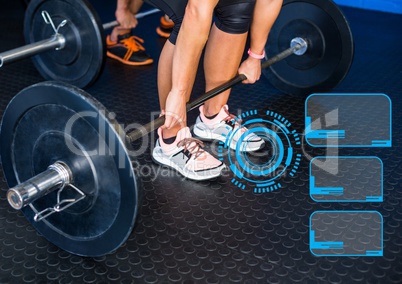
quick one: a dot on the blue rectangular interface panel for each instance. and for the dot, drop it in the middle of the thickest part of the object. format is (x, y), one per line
(346, 179)
(346, 233)
(348, 120)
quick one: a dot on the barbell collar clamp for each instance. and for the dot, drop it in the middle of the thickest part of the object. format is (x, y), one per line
(61, 204)
(57, 42)
(56, 176)
(48, 20)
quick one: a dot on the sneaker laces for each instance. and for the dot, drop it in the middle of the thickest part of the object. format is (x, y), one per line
(192, 145)
(233, 120)
(133, 43)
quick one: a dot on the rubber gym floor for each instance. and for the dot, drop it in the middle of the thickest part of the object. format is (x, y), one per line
(213, 231)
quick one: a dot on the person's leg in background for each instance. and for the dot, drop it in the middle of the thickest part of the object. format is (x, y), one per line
(121, 44)
(165, 27)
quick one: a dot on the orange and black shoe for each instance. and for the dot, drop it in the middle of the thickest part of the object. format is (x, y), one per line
(165, 27)
(128, 50)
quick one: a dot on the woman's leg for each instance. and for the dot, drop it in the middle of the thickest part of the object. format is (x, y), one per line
(221, 61)
(165, 84)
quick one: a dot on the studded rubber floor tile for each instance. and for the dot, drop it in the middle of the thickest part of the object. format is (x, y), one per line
(212, 231)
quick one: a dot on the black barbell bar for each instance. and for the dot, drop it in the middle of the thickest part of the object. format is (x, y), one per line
(298, 46)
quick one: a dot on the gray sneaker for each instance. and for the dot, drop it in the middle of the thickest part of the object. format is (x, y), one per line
(186, 156)
(223, 125)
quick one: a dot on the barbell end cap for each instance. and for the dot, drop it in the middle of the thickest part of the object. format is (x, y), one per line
(15, 199)
(303, 46)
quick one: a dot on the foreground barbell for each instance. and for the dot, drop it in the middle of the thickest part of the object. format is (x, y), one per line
(67, 160)
(67, 38)
(59, 174)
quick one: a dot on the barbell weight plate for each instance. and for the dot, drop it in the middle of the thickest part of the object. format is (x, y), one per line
(51, 122)
(82, 59)
(330, 47)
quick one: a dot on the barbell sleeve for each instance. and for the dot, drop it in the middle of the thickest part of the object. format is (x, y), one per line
(57, 41)
(153, 125)
(56, 176)
(282, 55)
(113, 24)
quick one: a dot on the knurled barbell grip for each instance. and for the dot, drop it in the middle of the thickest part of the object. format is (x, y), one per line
(155, 124)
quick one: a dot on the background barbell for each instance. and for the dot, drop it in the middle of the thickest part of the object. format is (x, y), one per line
(72, 52)
(77, 53)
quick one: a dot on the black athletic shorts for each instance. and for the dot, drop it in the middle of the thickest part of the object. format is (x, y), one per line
(231, 16)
